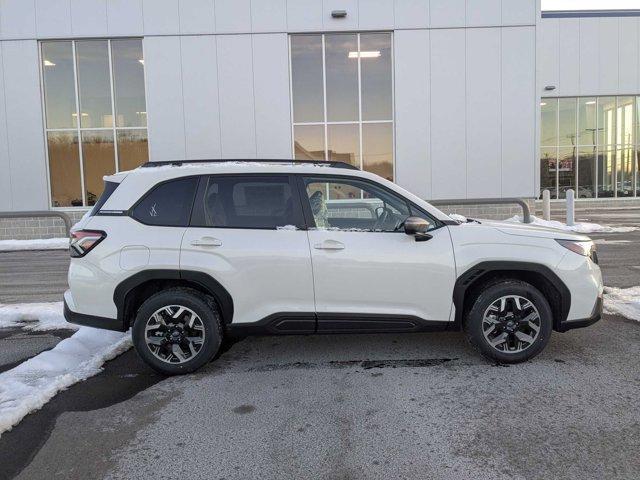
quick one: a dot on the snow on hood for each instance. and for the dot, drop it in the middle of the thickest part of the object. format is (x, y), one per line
(511, 227)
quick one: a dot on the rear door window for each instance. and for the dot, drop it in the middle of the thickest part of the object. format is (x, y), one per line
(260, 202)
(168, 204)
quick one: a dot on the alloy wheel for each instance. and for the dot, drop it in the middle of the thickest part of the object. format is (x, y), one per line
(511, 324)
(174, 334)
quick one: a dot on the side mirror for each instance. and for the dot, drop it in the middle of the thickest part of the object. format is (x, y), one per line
(417, 227)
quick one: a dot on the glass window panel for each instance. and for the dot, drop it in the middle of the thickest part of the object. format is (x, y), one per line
(169, 204)
(375, 72)
(637, 167)
(377, 149)
(566, 170)
(306, 78)
(308, 142)
(59, 90)
(567, 121)
(587, 121)
(549, 113)
(624, 170)
(624, 121)
(548, 157)
(128, 83)
(341, 51)
(93, 83)
(344, 143)
(586, 173)
(606, 165)
(64, 169)
(98, 160)
(607, 120)
(133, 149)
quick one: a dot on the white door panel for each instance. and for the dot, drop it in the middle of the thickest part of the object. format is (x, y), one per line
(383, 273)
(265, 271)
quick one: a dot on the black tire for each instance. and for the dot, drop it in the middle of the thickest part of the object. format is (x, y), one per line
(493, 292)
(203, 306)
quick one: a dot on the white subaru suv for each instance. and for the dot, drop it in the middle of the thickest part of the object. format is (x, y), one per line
(185, 253)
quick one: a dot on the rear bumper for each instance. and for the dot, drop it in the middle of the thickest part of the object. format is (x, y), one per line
(91, 320)
(584, 322)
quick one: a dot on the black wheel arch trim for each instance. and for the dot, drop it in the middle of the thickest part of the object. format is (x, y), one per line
(474, 274)
(205, 281)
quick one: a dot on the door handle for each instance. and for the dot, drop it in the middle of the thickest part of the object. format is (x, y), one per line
(329, 245)
(207, 242)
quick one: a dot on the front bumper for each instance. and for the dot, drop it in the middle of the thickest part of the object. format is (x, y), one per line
(91, 320)
(583, 322)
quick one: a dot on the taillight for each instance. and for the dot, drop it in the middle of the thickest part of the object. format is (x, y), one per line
(83, 241)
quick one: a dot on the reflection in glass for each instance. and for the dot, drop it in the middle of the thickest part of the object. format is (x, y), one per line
(566, 170)
(606, 164)
(624, 119)
(548, 157)
(98, 160)
(587, 121)
(128, 83)
(624, 170)
(344, 143)
(342, 77)
(375, 72)
(308, 142)
(549, 128)
(94, 86)
(567, 121)
(133, 149)
(586, 173)
(59, 90)
(377, 149)
(306, 78)
(64, 169)
(607, 120)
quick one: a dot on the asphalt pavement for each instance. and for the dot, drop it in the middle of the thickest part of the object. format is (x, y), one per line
(345, 406)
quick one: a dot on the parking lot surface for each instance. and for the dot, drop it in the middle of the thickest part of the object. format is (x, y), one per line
(351, 407)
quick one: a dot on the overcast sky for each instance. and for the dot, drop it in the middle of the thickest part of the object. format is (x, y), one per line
(590, 4)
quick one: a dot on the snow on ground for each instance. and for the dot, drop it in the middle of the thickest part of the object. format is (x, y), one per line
(33, 383)
(579, 227)
(39, 244)
(622, 301)
(34, 316)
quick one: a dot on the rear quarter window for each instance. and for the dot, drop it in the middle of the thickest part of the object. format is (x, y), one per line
(168, 204)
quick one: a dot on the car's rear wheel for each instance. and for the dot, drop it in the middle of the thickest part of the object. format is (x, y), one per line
(510, 321)
(177, 331)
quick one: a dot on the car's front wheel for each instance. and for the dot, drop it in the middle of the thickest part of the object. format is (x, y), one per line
(510, 321)
(177, 331)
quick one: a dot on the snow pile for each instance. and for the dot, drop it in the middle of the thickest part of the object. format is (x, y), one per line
(622, 301)
(33, 383)
(457, 217)
(579, 227)
(34, 316)
(39, 244)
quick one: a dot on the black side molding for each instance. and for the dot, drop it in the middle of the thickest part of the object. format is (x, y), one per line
(92, 321)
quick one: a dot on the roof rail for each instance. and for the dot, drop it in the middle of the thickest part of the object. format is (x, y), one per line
(178, 163)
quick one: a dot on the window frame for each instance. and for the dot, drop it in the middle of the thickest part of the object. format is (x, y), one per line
(130, 210)
(359, 122)
(310, 219)
(295, 195)
(598, 146)
(79, 129)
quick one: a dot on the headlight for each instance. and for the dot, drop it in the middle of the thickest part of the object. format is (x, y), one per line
(585, 248)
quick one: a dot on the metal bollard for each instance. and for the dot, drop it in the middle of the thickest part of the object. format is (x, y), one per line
(571, 207)
(546, 204)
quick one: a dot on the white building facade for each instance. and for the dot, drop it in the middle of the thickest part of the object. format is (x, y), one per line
(451, 99)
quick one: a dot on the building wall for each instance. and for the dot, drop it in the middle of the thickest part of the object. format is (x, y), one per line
(217, 84)
(590, 56)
